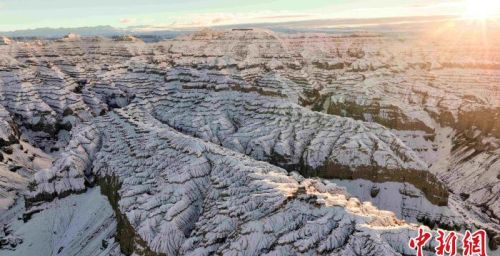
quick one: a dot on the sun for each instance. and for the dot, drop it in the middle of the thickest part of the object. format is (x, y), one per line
(481, 9)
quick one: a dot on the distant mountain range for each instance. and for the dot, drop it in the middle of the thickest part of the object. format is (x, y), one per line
(107, 31)
(59, 32)
(393, 24)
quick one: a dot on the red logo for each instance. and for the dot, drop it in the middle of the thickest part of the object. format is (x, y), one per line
(419, 241)
(446, 243)
(474, 244)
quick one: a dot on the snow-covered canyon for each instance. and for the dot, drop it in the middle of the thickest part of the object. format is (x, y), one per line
(245, 142)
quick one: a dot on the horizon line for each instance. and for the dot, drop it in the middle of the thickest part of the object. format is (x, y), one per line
(190, 28)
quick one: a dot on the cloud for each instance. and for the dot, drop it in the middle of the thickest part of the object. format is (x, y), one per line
(217, 19)
(201, 20)
(204, 20)
(280, 17)
(128, 20)
(429, 3)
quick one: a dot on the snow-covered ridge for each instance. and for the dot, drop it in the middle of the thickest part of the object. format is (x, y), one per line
(186, 196)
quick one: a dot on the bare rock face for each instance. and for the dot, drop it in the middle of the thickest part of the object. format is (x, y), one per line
(127, 38)
(224, 142)
(71, 37)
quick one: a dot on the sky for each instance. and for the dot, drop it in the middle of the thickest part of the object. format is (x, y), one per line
(175, 14)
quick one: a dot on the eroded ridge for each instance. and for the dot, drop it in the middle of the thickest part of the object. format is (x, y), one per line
(182, 195)
(214, 108)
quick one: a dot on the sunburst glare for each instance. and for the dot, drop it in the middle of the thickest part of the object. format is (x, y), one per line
(481, 9)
